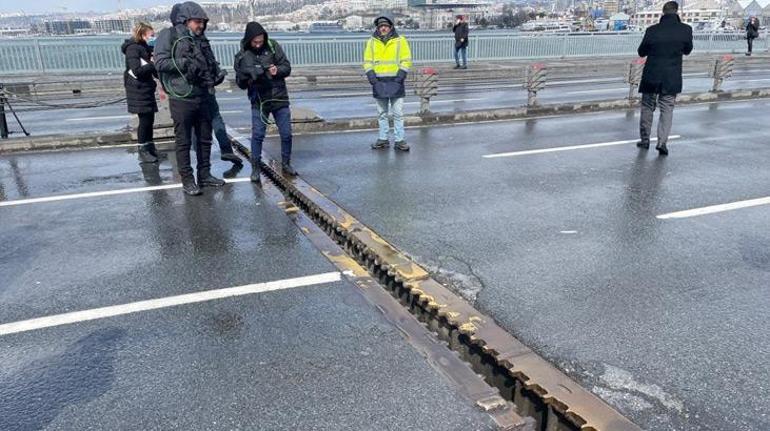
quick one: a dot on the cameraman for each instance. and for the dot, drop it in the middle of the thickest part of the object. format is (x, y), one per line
(188, 69)
(262, 67)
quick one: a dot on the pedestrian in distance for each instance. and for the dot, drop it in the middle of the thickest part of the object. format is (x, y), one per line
(139, 82)
(752, 32)
(188, 71)
(664, 44)
(387, 61)
(261, 68)
(461, 31)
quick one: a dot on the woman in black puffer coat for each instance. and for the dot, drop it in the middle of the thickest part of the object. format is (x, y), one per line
(139, 80)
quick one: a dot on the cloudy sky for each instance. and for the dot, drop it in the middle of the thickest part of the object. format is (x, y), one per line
(38, 6)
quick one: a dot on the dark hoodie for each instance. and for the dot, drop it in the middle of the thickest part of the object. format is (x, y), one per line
(188, 69)
(139, 79)
(252, 70)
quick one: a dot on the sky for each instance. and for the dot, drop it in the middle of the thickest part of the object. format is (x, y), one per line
(42, 6)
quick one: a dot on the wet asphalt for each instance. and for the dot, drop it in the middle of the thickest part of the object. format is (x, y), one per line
(665, 319)
(316, 357)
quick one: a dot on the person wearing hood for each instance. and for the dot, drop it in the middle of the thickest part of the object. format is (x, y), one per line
(139, 82)
(387, 61)
(664, 45)
(188, 71)
(261, 68)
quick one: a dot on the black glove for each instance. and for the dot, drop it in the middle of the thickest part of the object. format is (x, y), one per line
(401, 76)
(372, 77)
(220, 77)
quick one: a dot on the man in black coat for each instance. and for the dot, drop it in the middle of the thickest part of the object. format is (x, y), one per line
(262, 67)
(664, 44)
(752, 32)
(461, 31)
(188, 70)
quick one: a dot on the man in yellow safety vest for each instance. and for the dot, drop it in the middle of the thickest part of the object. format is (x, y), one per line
(387, 60)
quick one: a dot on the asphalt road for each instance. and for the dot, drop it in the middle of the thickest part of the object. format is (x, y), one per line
(575, 251)
(316, 356)
(356, 103)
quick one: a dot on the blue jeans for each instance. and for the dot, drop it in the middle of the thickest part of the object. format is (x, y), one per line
(464, 51)
(282, 118)
(396, 108)
(217, 125)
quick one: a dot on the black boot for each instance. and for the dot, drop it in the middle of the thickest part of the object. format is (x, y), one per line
(231, 157)
(205, 179)
(147, 153)
(255, 169)
(662, 150)
(645, 145)
(190, 188)
(287, 169)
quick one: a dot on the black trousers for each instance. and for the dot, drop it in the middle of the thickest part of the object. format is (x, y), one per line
(144, 131)
(751, 43)
(191, 115)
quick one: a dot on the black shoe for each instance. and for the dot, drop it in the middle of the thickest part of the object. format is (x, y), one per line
(464, 67)
(255, 169)
(662, 150)
(233, 171)
(380, 144)
(145, 153)
(231, 157)
(288, 170)
(402, 146)
(643, 145)
(190, 188)
(457, 67)
(207, 180)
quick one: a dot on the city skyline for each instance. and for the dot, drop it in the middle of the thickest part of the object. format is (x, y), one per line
(69, 6)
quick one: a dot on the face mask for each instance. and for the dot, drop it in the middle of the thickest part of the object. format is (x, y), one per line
(151, 41)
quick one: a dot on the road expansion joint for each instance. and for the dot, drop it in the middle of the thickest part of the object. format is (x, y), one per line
(519, 377)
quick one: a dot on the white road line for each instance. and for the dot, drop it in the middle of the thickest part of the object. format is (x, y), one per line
(441, 101)
(102, 193)
(113, 117)
(231, 112)
(601, 90)
(715, 209)
(171, 301)
(569, 148)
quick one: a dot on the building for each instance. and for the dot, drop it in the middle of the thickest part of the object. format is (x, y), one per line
(697, 11)
(741, 10)
(67, 27)
(611, 7)
(441, 14)
(112, 26)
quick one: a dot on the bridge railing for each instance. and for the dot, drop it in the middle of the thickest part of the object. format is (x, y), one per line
(102, 55)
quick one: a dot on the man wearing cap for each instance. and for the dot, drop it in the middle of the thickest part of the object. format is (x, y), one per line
(188, 71)
(461, 42)
(387, 60)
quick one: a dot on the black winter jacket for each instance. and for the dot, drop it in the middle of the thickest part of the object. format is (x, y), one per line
(461, 33)
(139, 79)
(185, 62)
(664, 44)
(252, 74)
(752, 30)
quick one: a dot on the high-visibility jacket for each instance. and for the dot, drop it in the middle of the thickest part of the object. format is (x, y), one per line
(386, 59)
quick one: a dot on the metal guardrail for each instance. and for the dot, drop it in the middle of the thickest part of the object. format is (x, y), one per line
(100, 55)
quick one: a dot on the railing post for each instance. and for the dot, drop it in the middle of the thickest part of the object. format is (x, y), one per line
(39, 56)
(564, 41)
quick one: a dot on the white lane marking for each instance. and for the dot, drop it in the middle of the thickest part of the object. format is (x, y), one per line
(231, 112)
(441, 101)
(713, 209)
(103, 193)
(601, 90)
(171, 301)
(111, 117)
(569, 148)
